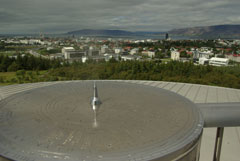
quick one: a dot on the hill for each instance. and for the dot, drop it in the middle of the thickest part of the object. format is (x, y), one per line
(90, 32)
(222, 31)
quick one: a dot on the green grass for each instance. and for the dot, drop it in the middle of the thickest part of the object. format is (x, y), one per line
(8, 53)
(166, 60)
(21, 47)
(8, 74)
(8, 78)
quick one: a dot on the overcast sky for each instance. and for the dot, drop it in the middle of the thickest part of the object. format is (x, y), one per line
(59, 16)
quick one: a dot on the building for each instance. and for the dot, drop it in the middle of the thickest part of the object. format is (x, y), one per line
(149, 53)
(175, 55)
(130, 57)
(166, 36)
(111, 56)
(66, 50)
(203, 61)
(118, 50)
(56, 56)
(71, 54)
(75, 55)
(125, 53)
(93, 52)
(203, 52)
(104, 49)
(218, 61)
(233, 57)
(24, 41)
(134, 51)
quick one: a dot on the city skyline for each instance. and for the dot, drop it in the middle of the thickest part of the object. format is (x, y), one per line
(59, 16)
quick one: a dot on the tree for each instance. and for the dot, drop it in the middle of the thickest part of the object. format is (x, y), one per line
(20, 75)
(183, 54)
(159, 55)
(13, 67)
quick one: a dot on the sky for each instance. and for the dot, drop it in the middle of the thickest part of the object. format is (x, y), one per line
(60, 16)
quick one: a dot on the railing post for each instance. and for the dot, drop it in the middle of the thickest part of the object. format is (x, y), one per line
(218, 144)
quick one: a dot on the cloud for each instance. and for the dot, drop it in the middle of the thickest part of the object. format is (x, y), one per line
(59, 16)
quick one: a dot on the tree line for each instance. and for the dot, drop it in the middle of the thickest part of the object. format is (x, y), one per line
(149, 70)
(26, 62)
(174, 71)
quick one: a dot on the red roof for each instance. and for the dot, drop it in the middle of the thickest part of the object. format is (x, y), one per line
(181, 50)
(236, 55)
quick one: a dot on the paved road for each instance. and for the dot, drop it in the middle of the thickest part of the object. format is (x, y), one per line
(34, 53)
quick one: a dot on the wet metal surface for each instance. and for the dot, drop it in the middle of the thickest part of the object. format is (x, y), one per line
(134, 121)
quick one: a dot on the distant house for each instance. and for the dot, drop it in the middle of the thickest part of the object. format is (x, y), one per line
(93, 52)
(175, 55)
(66, 51)
(218, 61)
(134, 51)
(56, 56)
(94, 58)
(130, 57)
(233, 57)
(104, 49)
(203, 61)
(149, 53)
(76, 55)
(111, 56)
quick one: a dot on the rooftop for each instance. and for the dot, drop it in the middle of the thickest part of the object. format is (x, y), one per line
(133, 121)
(195, 93)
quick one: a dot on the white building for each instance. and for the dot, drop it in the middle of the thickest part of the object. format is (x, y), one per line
(35, 41)
(149, 40)
(218, 61)
(134, 51)
(130, 57)
(66, 51)
(149, 53)
(118, 50)
(104, 49)
(175, 55)
(76, 55)
(111, 56)
(49, 48)
(56, 56)
(93, 52)
(235, 57)
(24, 41)
(203, 61)
(203, 52)
(139, 41)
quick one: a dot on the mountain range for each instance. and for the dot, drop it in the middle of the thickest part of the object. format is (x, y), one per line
(222, 31)
(90, 32)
